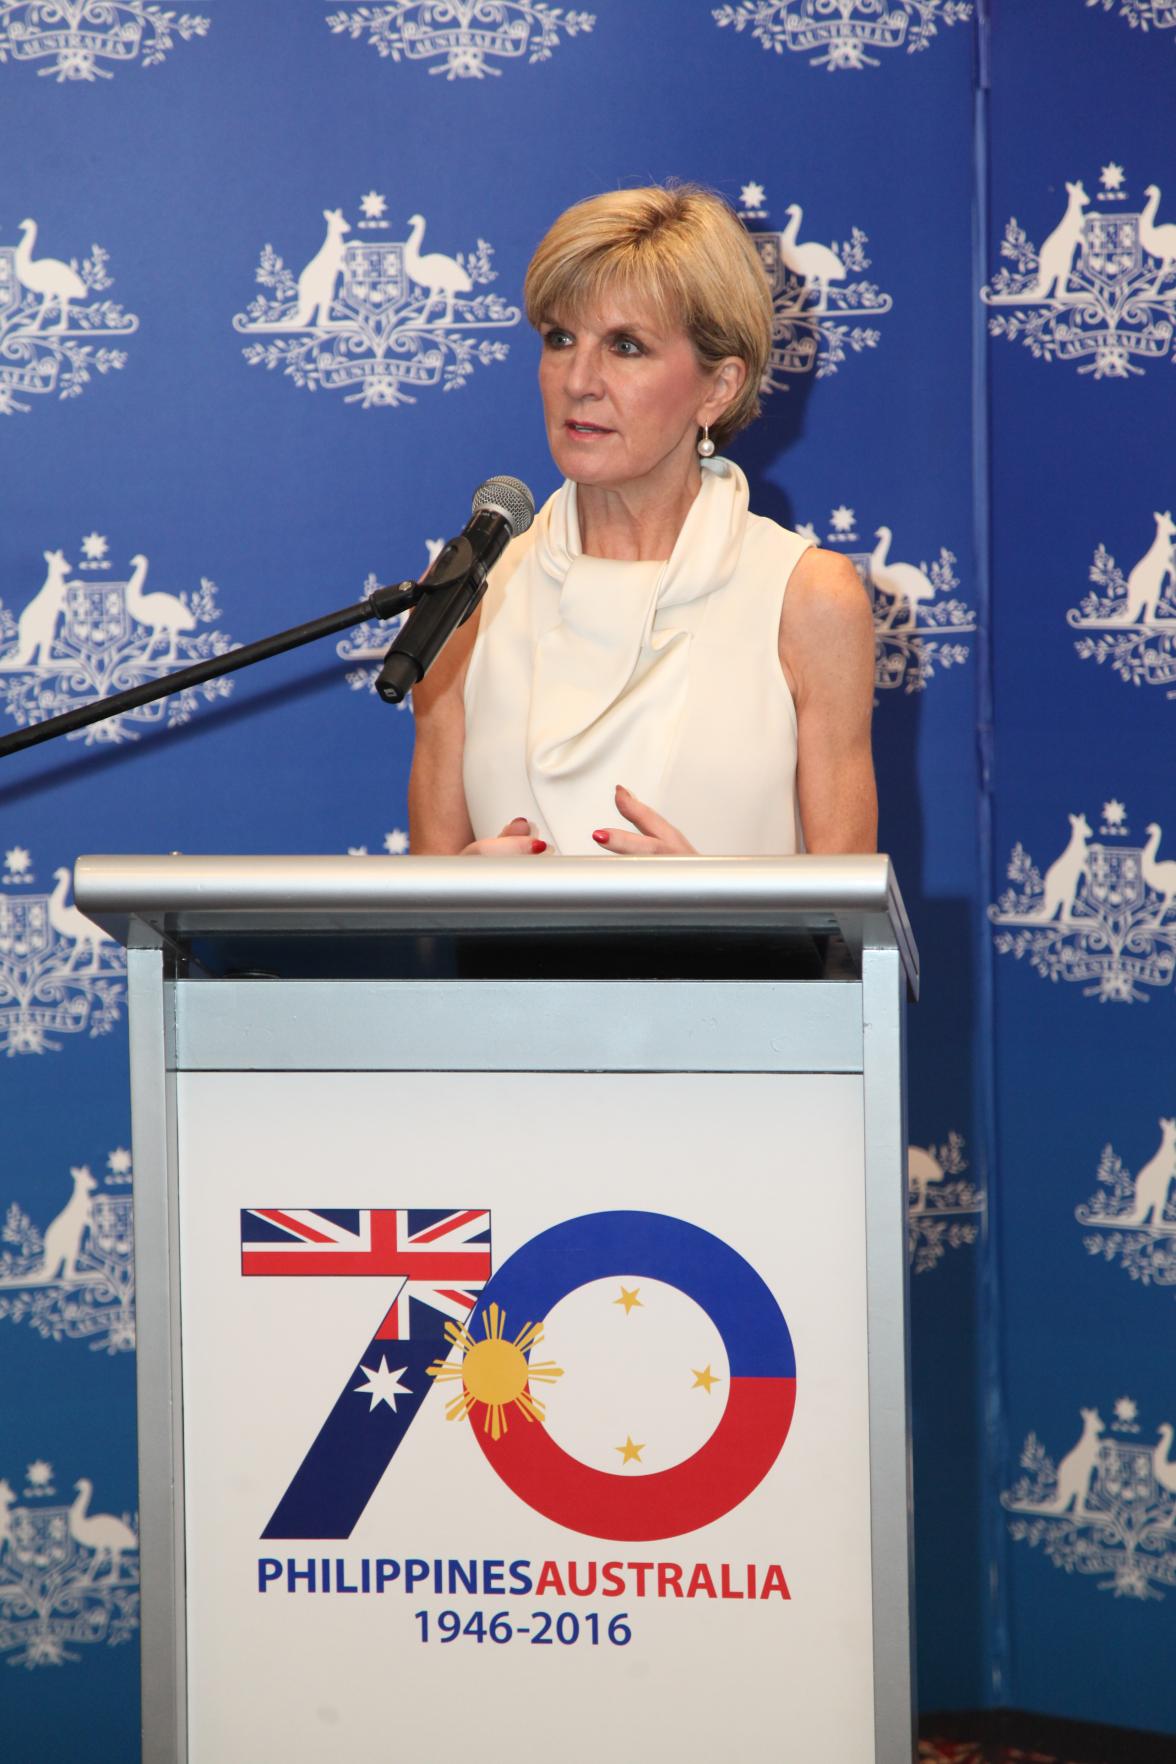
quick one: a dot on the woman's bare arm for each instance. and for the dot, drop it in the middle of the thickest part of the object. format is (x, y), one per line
(438, 819)
(827, 653)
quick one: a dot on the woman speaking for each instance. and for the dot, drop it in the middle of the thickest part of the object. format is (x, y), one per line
(653, 669)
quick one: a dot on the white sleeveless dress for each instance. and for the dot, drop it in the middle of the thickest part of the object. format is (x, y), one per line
(664, 677)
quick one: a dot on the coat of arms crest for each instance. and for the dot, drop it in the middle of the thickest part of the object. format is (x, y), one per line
(944, 1210)
(1131, 619)
(814, 304)
(59, 972)
(75, 1280)
(73, 39)
(842, 34)
(1141, 15)
(462, 38)
(1100, 292)
(918, 619)
(38, 357)
(1107, 1507)
(68, 1576)
(379, 321)
(77, 640)
(1132, 1219)
(1102, 913)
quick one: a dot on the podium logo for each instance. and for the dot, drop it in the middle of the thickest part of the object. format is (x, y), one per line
(1100, 292)
(1103, 914)
(1107, 1507)
(85, 39)
(918, 619)
(1132, 1219)
(77, 639)
(39, 357)
(462, 38)
(59, 973)
(75, 1279)
(684, 1373)
(67, 1574)
(842, 34)
(377, 319)
(1133, 616)
(944, 1210)
(812, 300)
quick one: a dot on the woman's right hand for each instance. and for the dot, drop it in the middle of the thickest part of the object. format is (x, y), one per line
(515, 840)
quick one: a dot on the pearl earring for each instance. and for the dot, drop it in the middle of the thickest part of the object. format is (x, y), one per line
(706, 446)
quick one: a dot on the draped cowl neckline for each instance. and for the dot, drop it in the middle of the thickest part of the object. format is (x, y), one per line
(612, 642)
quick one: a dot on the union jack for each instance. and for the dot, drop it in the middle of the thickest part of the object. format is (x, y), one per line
(441, 1258)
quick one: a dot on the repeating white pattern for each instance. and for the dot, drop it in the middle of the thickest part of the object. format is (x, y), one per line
(75, 1280)
(840, 34)
(1102, 914)
(74, 37)
(36, 362)
(915, 632)
(460, 35)
(943, 1210)
(67, 1575)
(1101, 290)
(1132, 1219)
(1134, 615)
(810, 332)
(377, 319)
(1142, 15)
(59, 974)
(78, 640)
(1107, 1507)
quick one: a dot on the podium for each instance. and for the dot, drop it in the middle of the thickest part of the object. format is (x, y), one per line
(522, 1292)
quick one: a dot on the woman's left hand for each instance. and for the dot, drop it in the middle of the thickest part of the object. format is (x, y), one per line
(654, 836)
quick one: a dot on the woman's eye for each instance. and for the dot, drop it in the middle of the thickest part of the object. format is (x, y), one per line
(628, 346)
(556, 339)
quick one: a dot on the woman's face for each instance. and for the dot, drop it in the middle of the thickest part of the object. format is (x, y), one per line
(622, 396)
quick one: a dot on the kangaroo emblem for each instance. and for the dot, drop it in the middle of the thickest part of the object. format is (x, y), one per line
(63, 1235)
(1155, 569)
(1076, 1470)
(316, 284)
(1056, 256)
(1155, 1179)
(37, 625)
(922, 1171)
(1065, 873)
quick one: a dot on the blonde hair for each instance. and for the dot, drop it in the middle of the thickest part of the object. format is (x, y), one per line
(683, 250)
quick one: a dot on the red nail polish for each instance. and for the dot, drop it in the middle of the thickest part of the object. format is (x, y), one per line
(538, 845)
(600, 837)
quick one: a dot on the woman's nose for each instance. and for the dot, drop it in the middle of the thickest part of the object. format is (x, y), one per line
(583, 373)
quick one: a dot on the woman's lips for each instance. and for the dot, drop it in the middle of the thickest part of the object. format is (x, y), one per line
(585, 431)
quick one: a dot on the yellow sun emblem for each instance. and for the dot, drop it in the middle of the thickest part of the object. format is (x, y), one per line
(495, 1372)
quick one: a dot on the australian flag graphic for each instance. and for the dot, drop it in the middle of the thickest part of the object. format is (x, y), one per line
(431, 1264)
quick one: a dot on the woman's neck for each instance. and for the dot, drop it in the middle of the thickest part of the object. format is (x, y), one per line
(635, 523)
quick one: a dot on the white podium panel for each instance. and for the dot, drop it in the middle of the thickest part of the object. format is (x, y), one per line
(369, 1573)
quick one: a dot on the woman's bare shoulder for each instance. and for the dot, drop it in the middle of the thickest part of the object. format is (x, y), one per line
(826, 621)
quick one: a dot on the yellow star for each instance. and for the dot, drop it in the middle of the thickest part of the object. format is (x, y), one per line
(630, 1453)
(628, 1299)
(704, 1379)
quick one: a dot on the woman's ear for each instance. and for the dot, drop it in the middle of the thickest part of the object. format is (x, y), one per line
(726, 384)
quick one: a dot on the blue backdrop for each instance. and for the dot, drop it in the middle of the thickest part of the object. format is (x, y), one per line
(230, 394)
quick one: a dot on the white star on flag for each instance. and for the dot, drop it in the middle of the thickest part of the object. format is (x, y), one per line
(383, 1385)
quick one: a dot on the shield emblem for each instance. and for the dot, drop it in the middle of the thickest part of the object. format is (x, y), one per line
(768, 245)
(374, 280)
(24, 927)
(40, 1539)
(9, 286)
(96, 615)
(111, 1230)
(1114, 878)
(1124, 1475)
(1110, 246)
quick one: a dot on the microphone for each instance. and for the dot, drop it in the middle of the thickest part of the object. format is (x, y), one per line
(502, 509)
